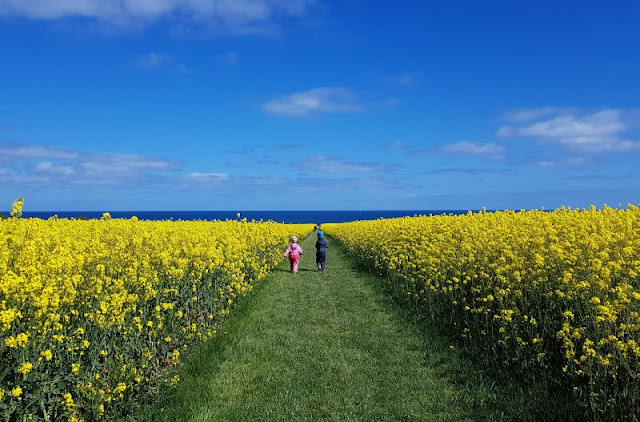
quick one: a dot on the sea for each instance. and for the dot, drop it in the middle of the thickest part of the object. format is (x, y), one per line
(293, 217)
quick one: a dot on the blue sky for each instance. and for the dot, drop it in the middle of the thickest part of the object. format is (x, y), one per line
(318, 104)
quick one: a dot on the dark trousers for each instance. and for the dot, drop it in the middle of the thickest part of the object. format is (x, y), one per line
(320, 259)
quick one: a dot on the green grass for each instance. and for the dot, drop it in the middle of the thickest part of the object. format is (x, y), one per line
(326, 346)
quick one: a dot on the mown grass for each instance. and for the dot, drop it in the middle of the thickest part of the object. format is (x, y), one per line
(329, 346)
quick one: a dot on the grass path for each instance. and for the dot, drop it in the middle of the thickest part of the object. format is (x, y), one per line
(318, 346)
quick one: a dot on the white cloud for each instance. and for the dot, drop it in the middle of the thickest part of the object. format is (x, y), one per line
(56, 170)
(400, 145)
(114, 165)
(318, 100)
(469, 171)
(223, 182)
(528, 114)
(207, 178)
(600, 131)
(35, 165)
(569, 162)
(405, 79)
(152, 60)
(327, 164)
(489, 151)
(24, 151)
(234, 15)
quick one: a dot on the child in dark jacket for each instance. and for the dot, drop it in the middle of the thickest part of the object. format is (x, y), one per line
(321, 250)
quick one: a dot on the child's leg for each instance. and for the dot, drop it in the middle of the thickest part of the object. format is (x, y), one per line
(296, 260)
(323, 258)
(291, 263)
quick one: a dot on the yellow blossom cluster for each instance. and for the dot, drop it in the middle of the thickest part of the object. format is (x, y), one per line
(95, 314)
(558, 293)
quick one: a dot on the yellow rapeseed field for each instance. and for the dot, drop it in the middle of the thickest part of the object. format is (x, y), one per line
(94, 314)
(554, 294)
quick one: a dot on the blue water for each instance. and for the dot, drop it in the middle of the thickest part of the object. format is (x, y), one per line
(278, 216)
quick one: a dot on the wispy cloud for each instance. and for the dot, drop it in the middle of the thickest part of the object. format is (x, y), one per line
(42, 166)
(323, 185)
(265, 185)
(328, 164)
(405, 79)
(54, 170)
(240, 16)
(489, 151)
(24, 151)
(318, 100)
(153, 60)
(207, 178)
(244, 164)
(470, 171)
(230, 57)
(224, 182)
(401, 146)
(589, 132)
(529, 114)
(595, 177)
(569, 162)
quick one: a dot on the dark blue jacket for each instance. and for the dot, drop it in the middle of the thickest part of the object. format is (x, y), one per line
(321, 245)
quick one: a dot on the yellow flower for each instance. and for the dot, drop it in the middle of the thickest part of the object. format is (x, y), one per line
(67, 401)
(22, 339)
(16, 392)
(46, 354)
(25, 368)
(120, 389)
(11, 342)
(16, 208)
(68, 281)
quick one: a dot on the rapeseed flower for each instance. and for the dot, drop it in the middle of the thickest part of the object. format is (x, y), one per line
(76, 290)
(25, 368)
(537, 285)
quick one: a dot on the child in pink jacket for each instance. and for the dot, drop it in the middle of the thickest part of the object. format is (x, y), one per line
(293, 252)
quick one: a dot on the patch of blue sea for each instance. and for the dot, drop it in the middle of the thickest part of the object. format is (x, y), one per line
(314, 217)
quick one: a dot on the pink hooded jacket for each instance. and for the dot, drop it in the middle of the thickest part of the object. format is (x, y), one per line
(293, 249)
